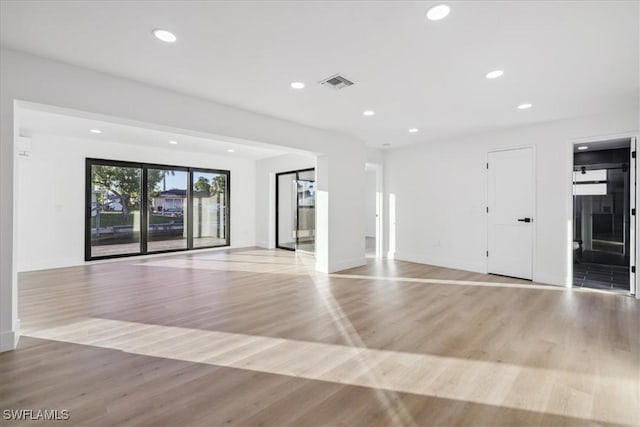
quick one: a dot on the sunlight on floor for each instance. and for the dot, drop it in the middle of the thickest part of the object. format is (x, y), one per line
(249, 262)
(385, 392)
(386, 371)
(450, 282)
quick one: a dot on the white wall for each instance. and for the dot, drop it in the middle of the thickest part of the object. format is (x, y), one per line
(266, 170)
(370, 190)
(25, 77)
(440, 194)
(375, 156)
(52, 188)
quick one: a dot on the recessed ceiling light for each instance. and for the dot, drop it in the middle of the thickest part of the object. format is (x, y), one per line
(95, 131)
(413, 130)
(494, 74)
(583, 147)
(231, 150)
(524, 106)
(297, 85)
(164, 35)
(173, 142)
(369, 113)
(438, 12)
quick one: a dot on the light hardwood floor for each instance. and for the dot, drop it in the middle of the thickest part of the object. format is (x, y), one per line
(256, 337)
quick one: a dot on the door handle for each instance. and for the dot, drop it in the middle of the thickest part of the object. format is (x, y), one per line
(525, 219)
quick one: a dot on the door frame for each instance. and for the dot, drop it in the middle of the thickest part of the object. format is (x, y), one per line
(297, 171)
(379, 202)
(534, 205)
(569, 206)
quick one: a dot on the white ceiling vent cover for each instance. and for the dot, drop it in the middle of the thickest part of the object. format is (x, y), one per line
(337, 81)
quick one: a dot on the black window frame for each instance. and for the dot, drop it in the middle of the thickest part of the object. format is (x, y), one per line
(297, 173)
(144, 206)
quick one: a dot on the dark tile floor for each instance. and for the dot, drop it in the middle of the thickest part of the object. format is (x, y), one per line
(601, 276)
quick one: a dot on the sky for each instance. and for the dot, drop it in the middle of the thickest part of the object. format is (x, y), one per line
(179, 180)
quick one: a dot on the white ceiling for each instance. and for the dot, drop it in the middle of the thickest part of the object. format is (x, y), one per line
(569, 59)
(603, 145)
(32, 122)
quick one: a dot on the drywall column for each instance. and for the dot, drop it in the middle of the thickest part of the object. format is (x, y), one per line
(9, 323)
(341, 177)
(322, 214)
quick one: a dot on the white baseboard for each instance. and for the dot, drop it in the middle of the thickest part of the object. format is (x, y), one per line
(75, 262)
(9, 339)
(243, 244)
(49, 264)
(545, 279)
(476, 267)
(346, 264)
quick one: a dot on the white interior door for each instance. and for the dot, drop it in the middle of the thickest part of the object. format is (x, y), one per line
(510, 212)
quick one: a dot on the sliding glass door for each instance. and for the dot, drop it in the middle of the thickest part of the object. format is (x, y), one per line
(287, 218)
(306, 210)
(114, 195)
(137, 208)
(210, 209)
(295, 210)
(167, 195)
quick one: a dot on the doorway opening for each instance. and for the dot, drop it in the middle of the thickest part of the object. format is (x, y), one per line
(296, 210)
(604, 215)
(371, 211)
(373, 221)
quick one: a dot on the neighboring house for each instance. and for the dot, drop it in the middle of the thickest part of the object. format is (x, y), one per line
(174, 199)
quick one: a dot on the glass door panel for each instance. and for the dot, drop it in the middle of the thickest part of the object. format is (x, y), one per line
(306, 210)
(296, 207)
(287, 190)
(167, 195)
(115, 210)
(209, 206)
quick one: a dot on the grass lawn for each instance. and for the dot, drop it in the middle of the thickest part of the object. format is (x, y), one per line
(110, 219)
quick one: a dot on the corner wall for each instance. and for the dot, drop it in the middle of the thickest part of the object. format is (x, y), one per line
(440, 194)
(26, 77)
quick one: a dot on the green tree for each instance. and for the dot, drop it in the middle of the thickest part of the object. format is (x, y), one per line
(124, 183)
(218, 185)
(154, 176)
(164, 174)
(202, 184)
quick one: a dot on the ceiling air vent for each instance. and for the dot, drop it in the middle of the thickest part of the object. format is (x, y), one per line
(336, 82)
